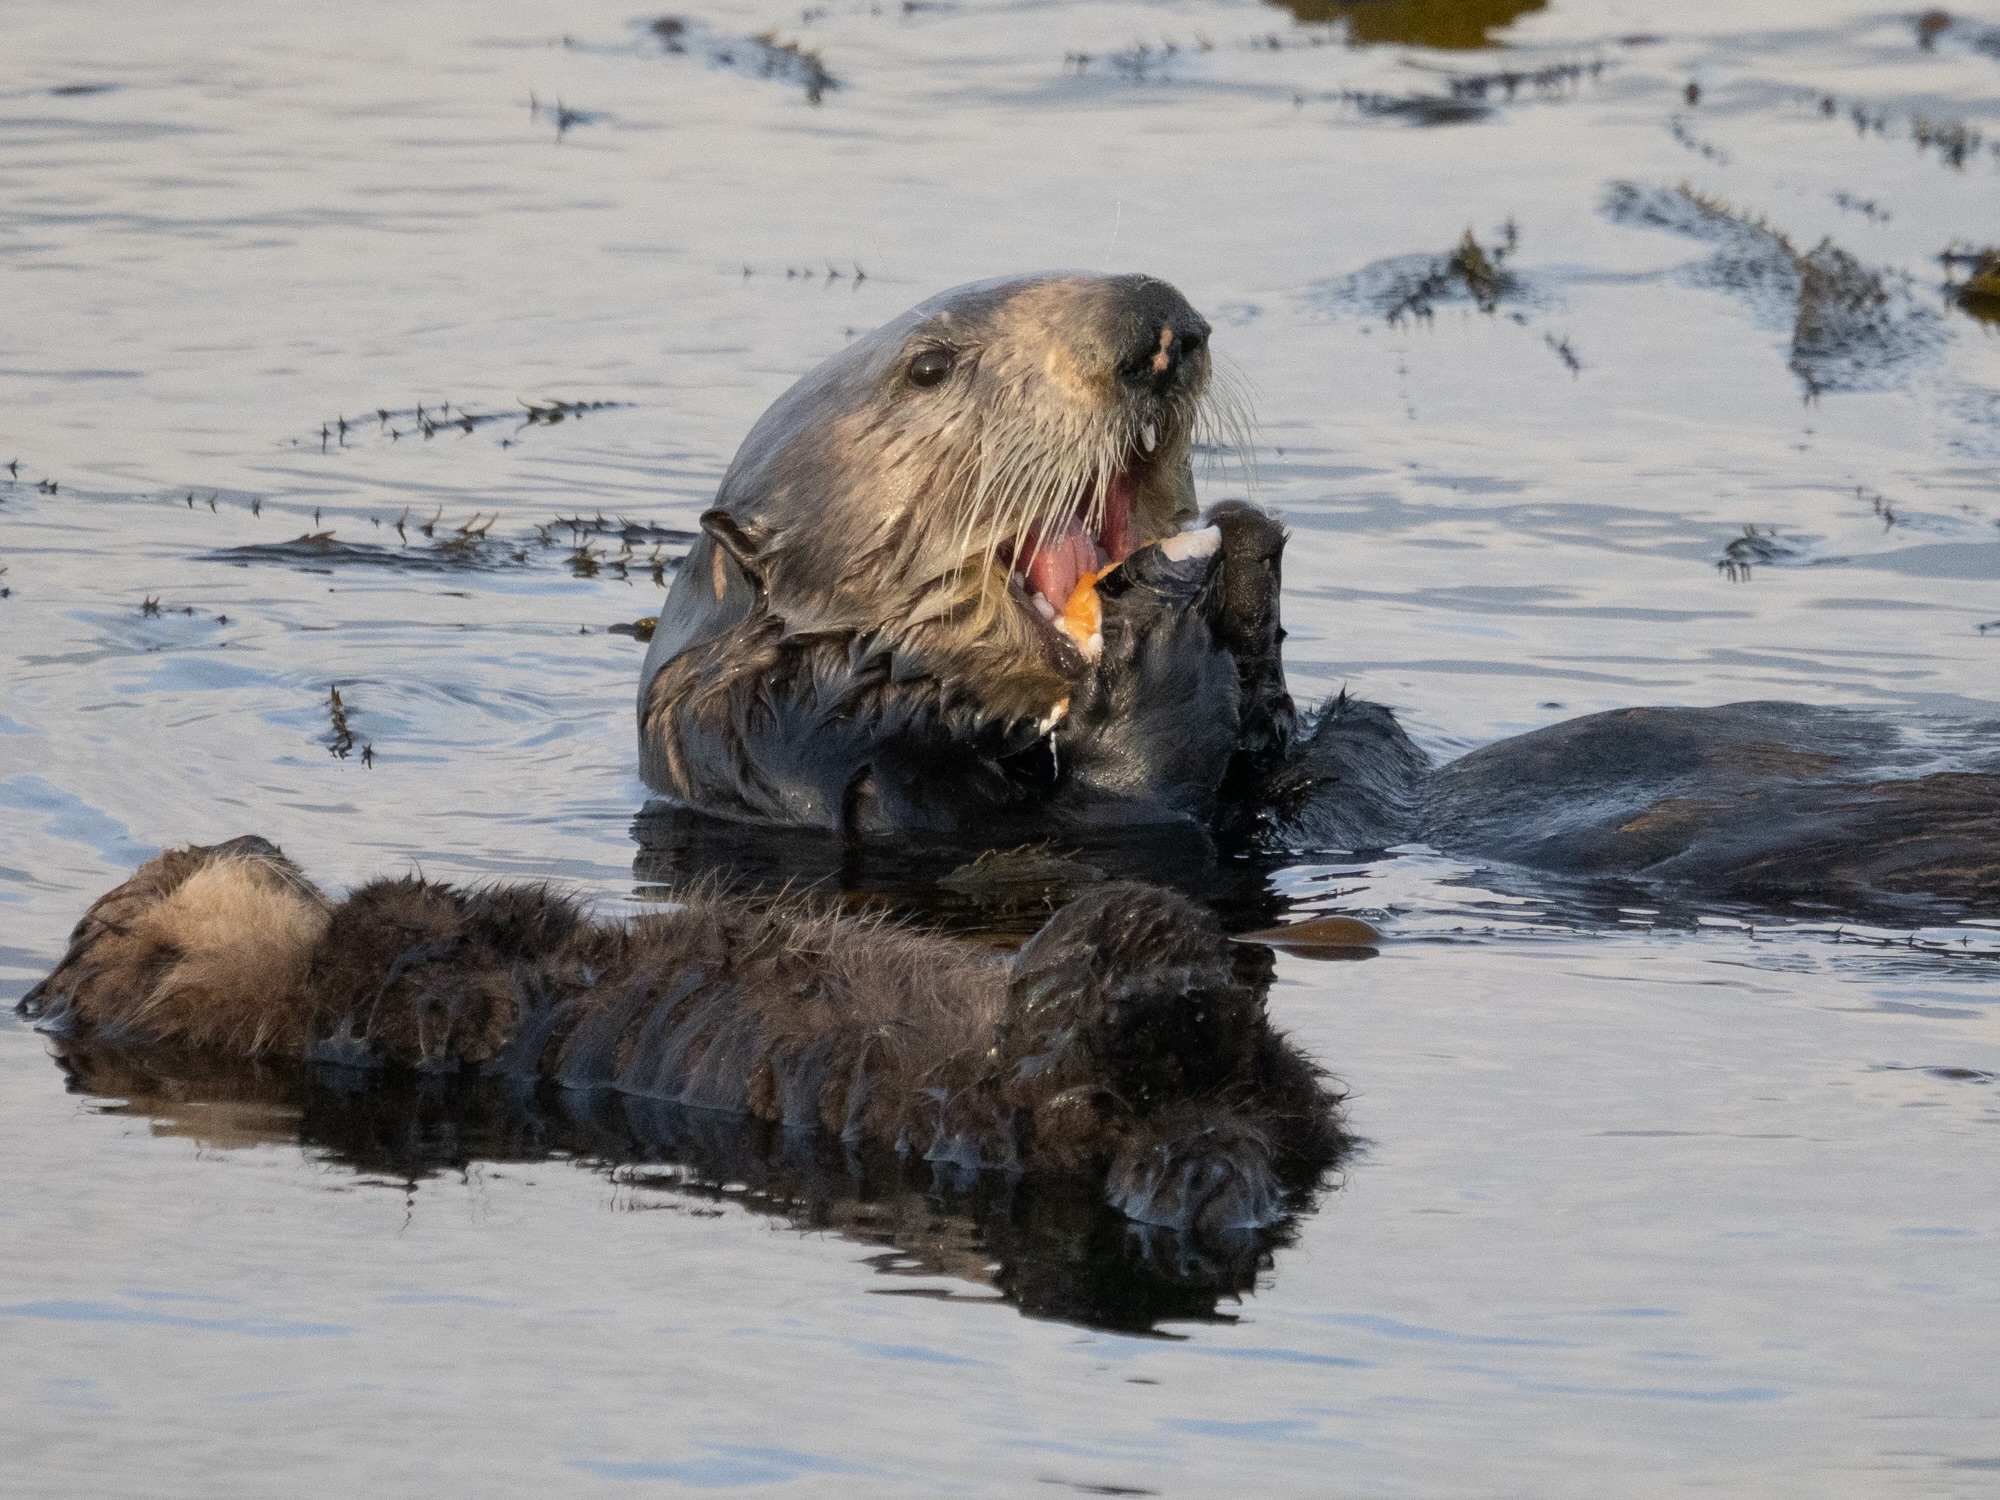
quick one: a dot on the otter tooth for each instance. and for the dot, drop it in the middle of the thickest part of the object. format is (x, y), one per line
(1188, 544)
(1094, 647)
(1149, 435)
(1042, 606)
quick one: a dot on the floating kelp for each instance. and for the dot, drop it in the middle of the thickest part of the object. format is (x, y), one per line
(1930, 25)
(340, 738)
(323, 552)
(1554, 80)
(396, 424)
(1414, 286)
(1452, 25)
(564, 118)
(1852, 328)
(1954, 142)
(1031, 875)
(1418, 109)
(765, 55)
(1322, 937)
(619, 529)
(1751, 550)
(1979, 293)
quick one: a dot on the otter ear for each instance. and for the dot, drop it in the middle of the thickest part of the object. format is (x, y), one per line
(742, 543)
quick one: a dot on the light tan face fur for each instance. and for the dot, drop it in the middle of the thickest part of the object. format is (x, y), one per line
(204, 946)
(872, 503)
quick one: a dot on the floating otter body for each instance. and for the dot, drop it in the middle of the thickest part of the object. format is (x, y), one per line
(952, 583)
(1126, 1043)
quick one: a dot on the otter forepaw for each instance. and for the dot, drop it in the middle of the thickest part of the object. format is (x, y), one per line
(1216, 1177)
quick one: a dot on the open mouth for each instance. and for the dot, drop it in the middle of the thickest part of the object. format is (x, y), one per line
(1057, 568)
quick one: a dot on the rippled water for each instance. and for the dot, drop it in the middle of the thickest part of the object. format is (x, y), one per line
(1654, 1203)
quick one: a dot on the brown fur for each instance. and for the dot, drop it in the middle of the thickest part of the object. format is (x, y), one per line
(1128, 1039)
(205, 946)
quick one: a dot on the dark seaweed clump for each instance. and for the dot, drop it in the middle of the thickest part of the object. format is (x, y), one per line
(1413, 286)
(1418, 109)
(760, 56)
(394, 423)
(471, 546)
(1749, 551)
(1932, 24)
(1852, 327)
(1979, 293)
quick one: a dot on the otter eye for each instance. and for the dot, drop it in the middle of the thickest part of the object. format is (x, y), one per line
(931, 367)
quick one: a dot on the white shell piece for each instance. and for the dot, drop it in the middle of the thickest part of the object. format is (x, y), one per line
(1188, 544)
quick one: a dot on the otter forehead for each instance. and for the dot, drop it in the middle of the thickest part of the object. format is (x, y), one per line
(1096, 340)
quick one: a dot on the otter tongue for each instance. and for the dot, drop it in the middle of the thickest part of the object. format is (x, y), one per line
(1061, 561)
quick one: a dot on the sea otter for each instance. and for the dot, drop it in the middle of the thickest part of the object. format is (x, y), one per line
(1127, 1042)
(955, 583)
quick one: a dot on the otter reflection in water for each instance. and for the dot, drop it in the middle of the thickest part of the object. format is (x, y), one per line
(954, 582)
(1048, 1244)
(1125, 1049)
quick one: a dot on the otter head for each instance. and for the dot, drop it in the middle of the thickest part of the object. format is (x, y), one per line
(207, 945)
(952, 483)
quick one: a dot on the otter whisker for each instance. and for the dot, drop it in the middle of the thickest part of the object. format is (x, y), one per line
(1225, 418)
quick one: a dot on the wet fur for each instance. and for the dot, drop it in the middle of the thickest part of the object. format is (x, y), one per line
(845, 618)
(1127, 1041)
(806, 674)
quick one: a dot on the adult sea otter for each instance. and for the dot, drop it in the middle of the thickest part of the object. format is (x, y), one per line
(955, 581)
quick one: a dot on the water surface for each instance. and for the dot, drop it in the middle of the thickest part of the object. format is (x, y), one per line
(1685, 1197)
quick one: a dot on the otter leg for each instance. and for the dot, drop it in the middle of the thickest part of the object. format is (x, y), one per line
(207, 946)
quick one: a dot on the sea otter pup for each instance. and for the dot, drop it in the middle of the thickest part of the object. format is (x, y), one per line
(1126, 1042)
(953, 583)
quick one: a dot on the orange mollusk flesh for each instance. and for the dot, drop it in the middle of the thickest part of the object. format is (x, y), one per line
(1082, 618)
(1058, 569)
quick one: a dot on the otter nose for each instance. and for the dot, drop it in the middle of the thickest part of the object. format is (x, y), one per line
(1155, 358)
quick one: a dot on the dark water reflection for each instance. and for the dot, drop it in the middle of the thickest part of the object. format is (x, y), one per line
(966, 885)
(1051, 1247)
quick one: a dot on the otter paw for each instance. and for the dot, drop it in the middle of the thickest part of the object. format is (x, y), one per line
(1136, 989)
(1206, 1182)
